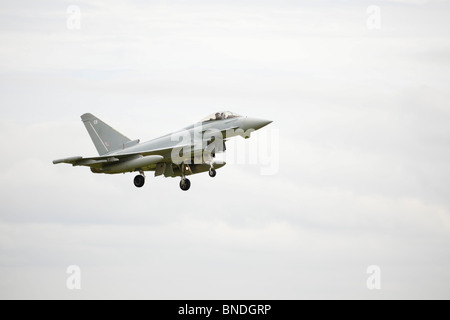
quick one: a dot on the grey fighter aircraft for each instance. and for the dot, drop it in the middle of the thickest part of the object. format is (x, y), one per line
(182, 153)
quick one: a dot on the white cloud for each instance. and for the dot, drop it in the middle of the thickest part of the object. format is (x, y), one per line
(410, 1)
(362, 117)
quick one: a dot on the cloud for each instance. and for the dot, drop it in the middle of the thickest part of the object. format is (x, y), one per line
(414, 2)
(363, 154)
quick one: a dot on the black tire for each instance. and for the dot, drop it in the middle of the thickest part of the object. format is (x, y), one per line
(185, 184)
(212, 173)
(139, 181)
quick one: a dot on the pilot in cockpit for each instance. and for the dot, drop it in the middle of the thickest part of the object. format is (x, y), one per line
(218, 116)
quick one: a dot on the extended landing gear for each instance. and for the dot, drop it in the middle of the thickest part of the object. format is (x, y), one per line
(185, 184)
(139, 181)
(212, 173)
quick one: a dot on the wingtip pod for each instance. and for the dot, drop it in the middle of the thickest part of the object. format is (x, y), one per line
(67, 160)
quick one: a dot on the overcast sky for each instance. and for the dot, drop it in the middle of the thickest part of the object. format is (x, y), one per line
(360, 147)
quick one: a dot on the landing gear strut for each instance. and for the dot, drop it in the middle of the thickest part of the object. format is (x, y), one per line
(185, 184)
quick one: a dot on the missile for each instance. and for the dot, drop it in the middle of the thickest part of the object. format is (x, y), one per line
(132, 164)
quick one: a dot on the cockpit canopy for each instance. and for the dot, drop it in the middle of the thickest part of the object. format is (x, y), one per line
(221, 115)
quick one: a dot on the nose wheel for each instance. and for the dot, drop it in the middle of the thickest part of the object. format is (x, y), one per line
(212, 173)
(185, 184)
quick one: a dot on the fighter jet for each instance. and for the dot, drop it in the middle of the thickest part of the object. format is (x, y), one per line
(182, 153)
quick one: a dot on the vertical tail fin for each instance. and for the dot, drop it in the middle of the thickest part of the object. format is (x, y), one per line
(105, 138)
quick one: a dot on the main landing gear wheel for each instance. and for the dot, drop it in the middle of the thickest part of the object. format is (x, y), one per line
(212, 173)
(139, 181)
(185, 184)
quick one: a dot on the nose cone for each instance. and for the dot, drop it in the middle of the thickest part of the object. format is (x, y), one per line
(255, 123)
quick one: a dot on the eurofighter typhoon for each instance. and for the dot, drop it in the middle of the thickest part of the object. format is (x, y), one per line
(181, 153)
